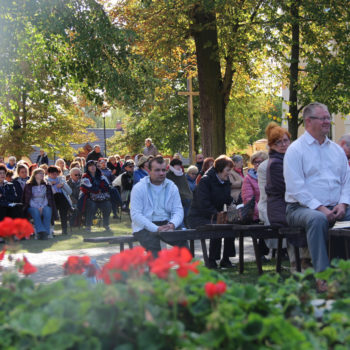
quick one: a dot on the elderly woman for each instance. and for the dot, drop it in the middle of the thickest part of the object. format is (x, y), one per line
(210, 196)
(236, 177)
(38, 200)
(191, 175)
(96, 195)
(279, 140)
(250, 186)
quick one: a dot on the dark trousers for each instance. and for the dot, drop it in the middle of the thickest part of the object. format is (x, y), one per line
(91, 209)
(151, 242)
(11, 212)
(63, 207)
(215, 244)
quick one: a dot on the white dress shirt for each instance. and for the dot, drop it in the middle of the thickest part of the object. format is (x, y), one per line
(316, 174)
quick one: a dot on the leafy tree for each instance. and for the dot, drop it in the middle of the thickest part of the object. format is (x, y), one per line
(36, 102)
(216, 38)
(311, 40)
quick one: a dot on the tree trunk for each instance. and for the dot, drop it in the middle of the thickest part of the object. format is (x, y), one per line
(294, 70)
(211, 97)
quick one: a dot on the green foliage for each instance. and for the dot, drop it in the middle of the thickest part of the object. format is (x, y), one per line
(150, 313)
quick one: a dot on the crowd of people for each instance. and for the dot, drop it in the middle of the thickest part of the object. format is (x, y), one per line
(304, 183)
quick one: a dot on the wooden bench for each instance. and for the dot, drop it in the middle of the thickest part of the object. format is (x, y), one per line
(340, 233)
(121, 240)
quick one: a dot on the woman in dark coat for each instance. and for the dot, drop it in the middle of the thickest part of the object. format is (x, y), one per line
(278, 141)
(8, 197)
(210, 196)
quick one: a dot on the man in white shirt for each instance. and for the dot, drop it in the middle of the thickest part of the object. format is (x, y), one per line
(317, 179)
(155, 206)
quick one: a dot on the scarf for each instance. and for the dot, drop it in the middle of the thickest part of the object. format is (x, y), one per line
(253, 173)
(176, 172)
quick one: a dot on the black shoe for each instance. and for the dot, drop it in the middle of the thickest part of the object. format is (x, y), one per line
(42, 235)
(108, 229)
(226, 264)
(212, 264)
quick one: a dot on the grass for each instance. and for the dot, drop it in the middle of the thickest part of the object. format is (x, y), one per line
(250, 274)
(75, 240)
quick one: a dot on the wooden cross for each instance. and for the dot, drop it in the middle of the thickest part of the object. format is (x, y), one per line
(190, 93)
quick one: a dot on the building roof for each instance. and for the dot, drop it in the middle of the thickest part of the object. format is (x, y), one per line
(99, 132)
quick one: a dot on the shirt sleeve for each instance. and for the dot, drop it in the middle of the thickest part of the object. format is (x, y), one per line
(345, 182)
(294, 177)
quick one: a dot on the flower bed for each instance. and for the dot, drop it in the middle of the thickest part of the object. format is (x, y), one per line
(170, 303)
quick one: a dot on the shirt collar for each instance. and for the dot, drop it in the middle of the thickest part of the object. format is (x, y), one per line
(221, 181)
(310, 139)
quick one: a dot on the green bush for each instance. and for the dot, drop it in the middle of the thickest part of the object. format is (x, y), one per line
(146, 312)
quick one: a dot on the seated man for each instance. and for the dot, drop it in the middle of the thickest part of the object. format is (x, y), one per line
(317, 179)
(155, 206)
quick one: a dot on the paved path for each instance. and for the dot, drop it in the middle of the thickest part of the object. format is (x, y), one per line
(50, 263)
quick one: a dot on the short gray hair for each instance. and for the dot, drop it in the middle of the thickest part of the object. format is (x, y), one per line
(345, 138)
(237, 158)
(71, 171)
(309, 110)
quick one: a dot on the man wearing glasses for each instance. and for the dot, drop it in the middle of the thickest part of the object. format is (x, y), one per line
(317, 179)
(155, 206)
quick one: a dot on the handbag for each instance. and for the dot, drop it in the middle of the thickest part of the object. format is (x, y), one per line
(243, 215)
(100, 196)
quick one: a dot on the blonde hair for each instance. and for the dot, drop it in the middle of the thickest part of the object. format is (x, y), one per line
(260, 154)
(192, 169)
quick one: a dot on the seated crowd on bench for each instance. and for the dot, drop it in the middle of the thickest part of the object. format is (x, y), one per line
(304, 183)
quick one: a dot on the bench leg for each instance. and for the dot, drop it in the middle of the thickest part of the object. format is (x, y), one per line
(131, 245)
(297, 258)
(346, 242)
(121, 247)
(279, 255)
(205, 252)
(241, 253)
(192, 247)
(257, 255)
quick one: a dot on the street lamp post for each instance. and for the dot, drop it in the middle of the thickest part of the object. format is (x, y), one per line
(104, 133)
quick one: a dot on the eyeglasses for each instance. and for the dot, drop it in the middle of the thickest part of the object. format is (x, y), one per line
(77, 175)
(256, 162)
(322, 119)
(282, 142)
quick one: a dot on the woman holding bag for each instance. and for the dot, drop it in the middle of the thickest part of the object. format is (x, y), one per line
(210, 196)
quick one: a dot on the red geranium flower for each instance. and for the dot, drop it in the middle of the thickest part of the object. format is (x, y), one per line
(2, 254)
(214, 289)
(27, 268)
(134, 260)
(21, 228)
(75, 265)
(6, 228)
(176, 257)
